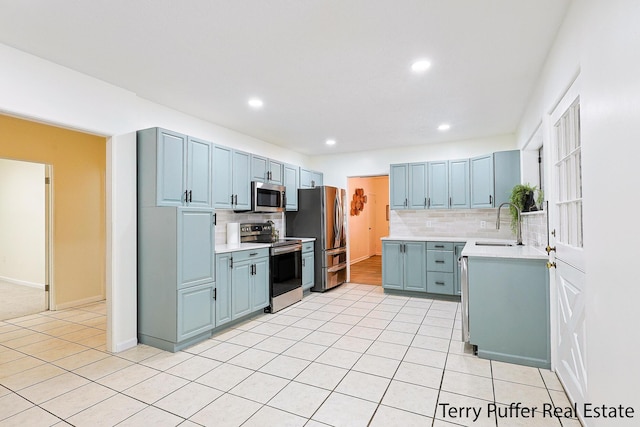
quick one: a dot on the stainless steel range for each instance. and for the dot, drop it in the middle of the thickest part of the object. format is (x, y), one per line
(285, 264)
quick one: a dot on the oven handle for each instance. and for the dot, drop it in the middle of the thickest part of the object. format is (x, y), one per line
(286, 249)
(338, 267)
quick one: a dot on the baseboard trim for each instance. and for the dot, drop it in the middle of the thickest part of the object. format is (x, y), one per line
(78, 303)
(362, 258)
(126, 345)
(22, 282)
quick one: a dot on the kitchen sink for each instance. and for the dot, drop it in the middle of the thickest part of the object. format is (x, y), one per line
(495, 244)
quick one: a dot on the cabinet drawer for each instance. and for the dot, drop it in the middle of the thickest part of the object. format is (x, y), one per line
(440, 283)
(250, 254)
(307, 247)
(440, 261)
(439, 246)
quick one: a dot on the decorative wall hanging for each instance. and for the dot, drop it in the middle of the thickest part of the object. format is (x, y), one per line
(358, 201)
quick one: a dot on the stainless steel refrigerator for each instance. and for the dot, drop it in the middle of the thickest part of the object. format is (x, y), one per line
(321, 214)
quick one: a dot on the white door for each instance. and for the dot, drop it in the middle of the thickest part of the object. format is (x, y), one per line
(566, 236)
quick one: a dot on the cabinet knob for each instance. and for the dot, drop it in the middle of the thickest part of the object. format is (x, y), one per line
(551, 265)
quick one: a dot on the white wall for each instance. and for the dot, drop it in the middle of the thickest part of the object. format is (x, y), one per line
(337, 167)
(601, 41)
(22, 223)
(40, 90)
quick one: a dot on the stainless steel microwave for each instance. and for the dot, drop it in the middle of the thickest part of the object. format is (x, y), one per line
(267, 197)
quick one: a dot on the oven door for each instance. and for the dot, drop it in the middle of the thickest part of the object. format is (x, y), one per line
(286, 272)
(267, 197)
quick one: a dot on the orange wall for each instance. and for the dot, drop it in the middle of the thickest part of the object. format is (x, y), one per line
(79, 168)
(360, 238)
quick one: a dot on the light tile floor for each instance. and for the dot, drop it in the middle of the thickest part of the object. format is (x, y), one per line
(352, 356)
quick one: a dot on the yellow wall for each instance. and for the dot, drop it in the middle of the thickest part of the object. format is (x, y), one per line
(79, 167)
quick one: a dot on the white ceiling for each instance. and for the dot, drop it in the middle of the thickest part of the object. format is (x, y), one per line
(324, 68)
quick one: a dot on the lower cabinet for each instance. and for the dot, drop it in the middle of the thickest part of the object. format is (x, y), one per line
(196, 310)
(308, 258)
(404, 266)
(243, 286)
(428, 267)
(509, 310)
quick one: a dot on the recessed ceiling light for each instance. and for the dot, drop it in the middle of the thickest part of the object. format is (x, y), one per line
(420, 66)
(444, 127)
(331, 142)
(255, 103)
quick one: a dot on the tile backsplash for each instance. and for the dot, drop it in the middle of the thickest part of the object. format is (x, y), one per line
(224, 216)
(468, 223)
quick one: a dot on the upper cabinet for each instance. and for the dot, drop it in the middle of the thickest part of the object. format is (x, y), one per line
(479, 182)
(459, 184)
(174, 169)
(266, 170)
(291, 183)
(506, 170)
(482, 181)
(310, 179)
(231, 177)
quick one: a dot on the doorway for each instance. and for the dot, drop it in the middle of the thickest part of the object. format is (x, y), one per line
(25, 224)
(367, 204)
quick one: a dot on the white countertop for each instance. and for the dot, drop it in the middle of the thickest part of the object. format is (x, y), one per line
(224, 248)
(521, 252)
(427, 239)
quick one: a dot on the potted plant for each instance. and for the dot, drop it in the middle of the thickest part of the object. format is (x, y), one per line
(524, 197)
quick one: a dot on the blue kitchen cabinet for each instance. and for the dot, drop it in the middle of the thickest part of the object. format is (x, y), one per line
(308, 269)
(291, 183)
(398, 179)
(459, 197)
(457, 253)
(403, 266)
(266, 170)
(417, 186)
(509, 310)
(223, 288)
(176, 275)
(241, 288)
(438, 185)
(310, 179)
(506, 174)
(260, 284)
(196, 311)
(440, 267)
(173, 169)
(482, 185)
(231, 179)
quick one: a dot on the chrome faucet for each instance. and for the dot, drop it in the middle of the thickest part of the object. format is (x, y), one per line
(519, 223)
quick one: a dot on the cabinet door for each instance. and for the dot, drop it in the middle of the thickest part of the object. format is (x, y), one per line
(240, 289)
(276, 170)
(317, 179)
(241, 180)
(438, 184)
(259, 168)
(260, 284)
(223, 288)
(392, 265)
(417, 186)
(415, 269)
(305, 178)
(481, 181)
(459, 184)
(291, 184)
(456, 271)
(307, 271)
(172, 164)
(222, 178)
(506, 171)
(196, 311)
(199, 173)
(398, 196)
(196, 243)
